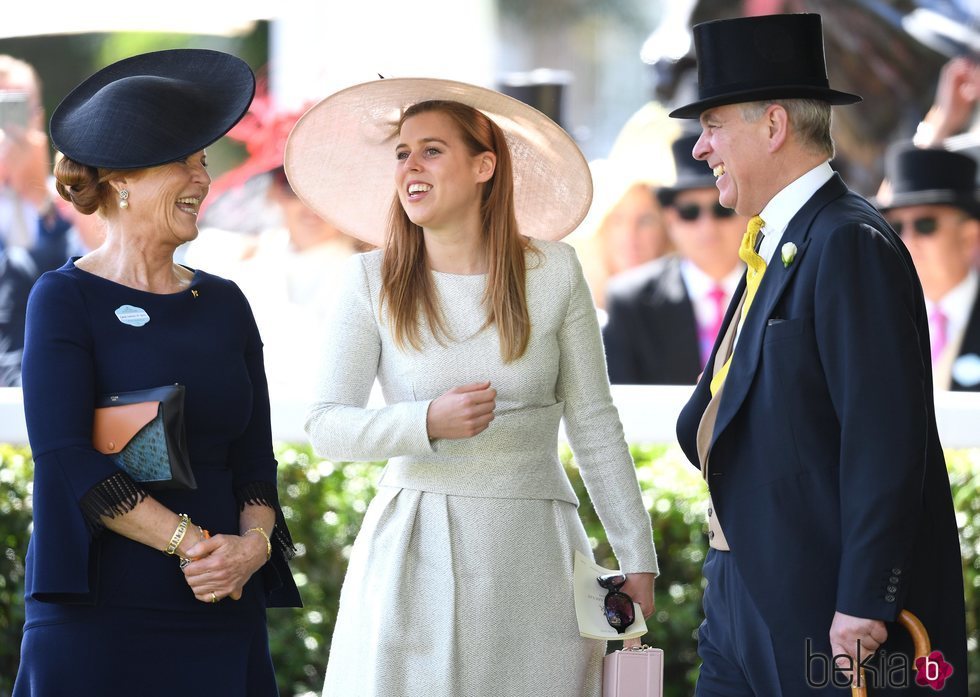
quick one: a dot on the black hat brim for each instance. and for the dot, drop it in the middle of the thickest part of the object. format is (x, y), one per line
(936, 197)
(831, 96)
(153, 108)
(667, 194)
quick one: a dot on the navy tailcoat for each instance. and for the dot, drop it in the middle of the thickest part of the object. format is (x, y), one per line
(825, 467)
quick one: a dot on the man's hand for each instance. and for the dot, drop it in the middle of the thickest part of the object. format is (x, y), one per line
(956, 95)
(856, 637)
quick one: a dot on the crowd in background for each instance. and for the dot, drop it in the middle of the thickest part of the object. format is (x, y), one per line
(663, 259)
(659, 253)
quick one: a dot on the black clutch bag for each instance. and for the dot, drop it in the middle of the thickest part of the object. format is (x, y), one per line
(143, 432)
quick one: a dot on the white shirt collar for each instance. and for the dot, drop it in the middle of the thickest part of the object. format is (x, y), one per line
(787, 203)
(699, 284)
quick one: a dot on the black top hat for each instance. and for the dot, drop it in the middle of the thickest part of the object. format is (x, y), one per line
(755, 58)
(152, 108)
(691, 173)
(930, 176)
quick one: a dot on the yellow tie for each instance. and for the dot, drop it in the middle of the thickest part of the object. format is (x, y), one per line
(753, 277)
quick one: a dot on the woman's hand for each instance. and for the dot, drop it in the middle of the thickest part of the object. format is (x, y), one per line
(463, 412)
(640, 588)
(223, 565)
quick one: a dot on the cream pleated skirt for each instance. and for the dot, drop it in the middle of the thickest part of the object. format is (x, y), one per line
(450, 596)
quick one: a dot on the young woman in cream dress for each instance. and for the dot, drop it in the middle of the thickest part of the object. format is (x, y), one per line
(483, 339)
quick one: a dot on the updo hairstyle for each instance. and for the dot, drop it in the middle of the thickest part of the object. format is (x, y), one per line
(85, 187)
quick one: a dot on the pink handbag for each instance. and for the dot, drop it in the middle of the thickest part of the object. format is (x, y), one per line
(633, 673)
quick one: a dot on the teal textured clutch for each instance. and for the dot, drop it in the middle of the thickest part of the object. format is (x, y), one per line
(143, 432)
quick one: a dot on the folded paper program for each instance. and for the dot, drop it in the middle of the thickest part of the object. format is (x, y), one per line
(589, 604)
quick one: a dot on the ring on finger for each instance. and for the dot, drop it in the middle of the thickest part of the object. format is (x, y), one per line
(214, 598)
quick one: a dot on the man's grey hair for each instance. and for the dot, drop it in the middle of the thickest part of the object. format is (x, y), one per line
(809, 118)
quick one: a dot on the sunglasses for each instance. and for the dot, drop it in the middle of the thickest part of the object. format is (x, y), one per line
(692, 211)
(926, 225)
(618, 606)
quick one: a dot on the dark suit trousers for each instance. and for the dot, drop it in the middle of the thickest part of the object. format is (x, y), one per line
(733, 641)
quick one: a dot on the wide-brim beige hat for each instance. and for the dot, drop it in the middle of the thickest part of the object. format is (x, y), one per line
(340, 157)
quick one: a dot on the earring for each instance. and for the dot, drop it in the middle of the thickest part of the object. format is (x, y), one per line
(124, 198)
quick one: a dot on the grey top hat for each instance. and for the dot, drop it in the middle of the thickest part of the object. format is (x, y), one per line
(930, 176)
(153, 108)
(754, 58)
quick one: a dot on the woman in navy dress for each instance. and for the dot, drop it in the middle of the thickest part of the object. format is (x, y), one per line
(108, 610)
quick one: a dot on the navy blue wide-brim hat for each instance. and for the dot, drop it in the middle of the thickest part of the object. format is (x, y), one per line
(757, 58)
(691, 173)
(153, 108)
(929, 176)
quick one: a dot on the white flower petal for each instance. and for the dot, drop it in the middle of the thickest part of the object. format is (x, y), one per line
(788, 253)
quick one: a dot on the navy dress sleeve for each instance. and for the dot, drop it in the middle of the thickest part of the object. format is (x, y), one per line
(71, 478)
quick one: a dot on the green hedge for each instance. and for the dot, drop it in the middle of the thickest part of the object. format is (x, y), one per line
(324, 502)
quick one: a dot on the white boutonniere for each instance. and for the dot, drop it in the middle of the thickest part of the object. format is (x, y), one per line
(788, 253)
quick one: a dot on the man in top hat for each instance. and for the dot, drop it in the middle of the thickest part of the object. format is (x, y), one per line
(664, 316)
(813, 424)
(932, 202)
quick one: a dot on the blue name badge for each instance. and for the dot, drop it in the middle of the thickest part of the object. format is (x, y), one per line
(131, 315)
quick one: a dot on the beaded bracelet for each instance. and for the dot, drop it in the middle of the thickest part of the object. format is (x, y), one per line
(268, 542)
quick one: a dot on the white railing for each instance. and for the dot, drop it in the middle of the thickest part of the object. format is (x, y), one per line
(649, 415)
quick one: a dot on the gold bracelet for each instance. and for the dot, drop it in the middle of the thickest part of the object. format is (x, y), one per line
(178, 535)
(268, 542)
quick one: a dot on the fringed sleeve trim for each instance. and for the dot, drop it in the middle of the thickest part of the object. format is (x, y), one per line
(266, 494)
(116, 495)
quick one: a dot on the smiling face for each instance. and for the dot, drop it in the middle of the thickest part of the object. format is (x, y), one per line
(736, 151)
(439, 181)
(167, 198)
